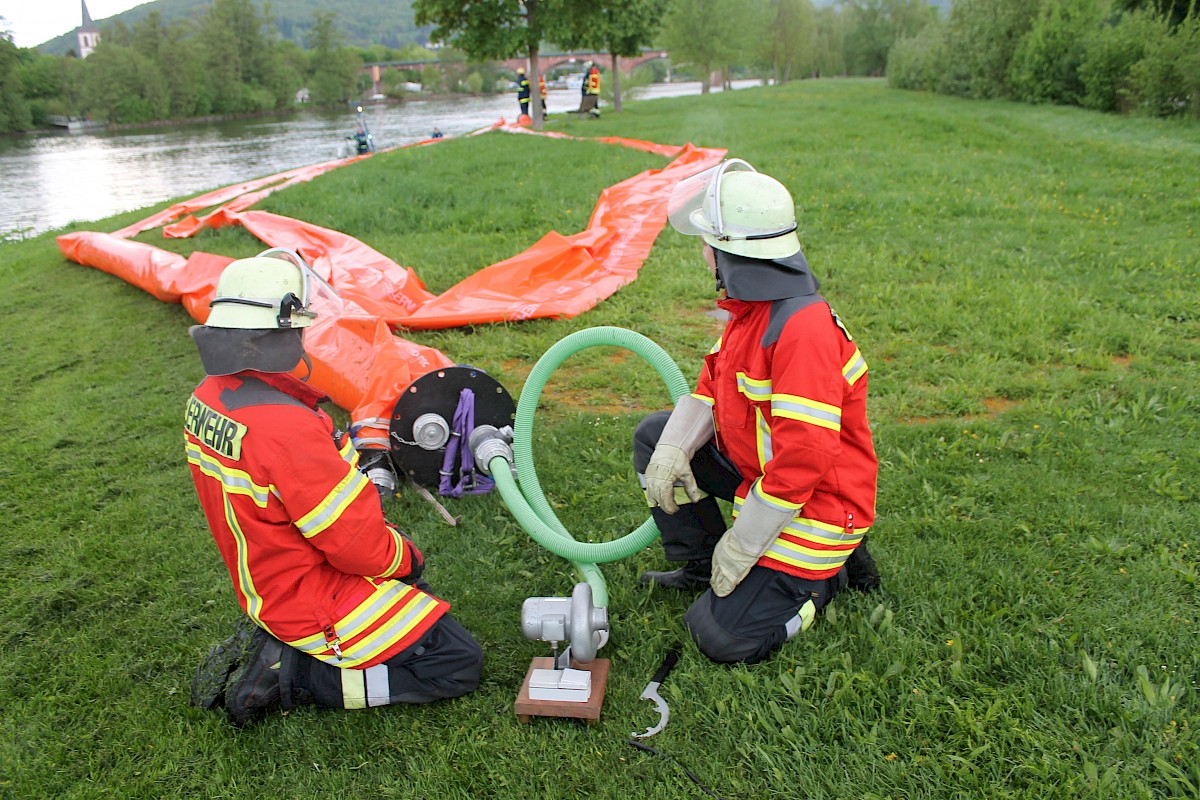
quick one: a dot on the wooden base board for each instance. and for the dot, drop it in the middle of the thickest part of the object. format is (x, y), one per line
(527, 708)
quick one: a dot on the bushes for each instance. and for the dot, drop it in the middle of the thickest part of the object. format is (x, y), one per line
(1071, 52)
(1110, 52)
(1166, 81)
(921, 62)
(1045, 66)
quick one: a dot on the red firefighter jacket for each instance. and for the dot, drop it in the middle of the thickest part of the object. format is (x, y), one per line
(792, 416)
(300, 528)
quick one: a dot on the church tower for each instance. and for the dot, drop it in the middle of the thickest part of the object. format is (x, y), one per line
(88, 34)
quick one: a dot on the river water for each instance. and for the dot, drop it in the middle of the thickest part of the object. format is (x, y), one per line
(50, 180)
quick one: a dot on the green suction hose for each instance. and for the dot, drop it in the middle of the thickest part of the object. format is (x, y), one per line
(528, 503)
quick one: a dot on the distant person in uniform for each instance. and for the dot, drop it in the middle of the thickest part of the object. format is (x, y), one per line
(523, 91)
(590, 102)
(437, 134)
(542, 91)
(362, 141)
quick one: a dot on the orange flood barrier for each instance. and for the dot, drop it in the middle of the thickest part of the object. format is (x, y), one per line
(357, 360)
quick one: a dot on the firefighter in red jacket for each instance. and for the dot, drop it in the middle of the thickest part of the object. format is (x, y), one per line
(777, 425)
(336, 612)
(590, 91)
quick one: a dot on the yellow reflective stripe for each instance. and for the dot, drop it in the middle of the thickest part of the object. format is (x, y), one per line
(804, 409)
(254, 600)
(354, 688)
(400, 551)
(708, 401)
(716, 348)
(329, 509)
(778, 503)
(855, 368)
(754, 388)
(800, 556)
(382, 600)
(233, 481)
(378, 642)
(762, 439)
(347, 451)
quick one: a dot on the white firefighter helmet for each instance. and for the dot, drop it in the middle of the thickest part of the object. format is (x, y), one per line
(274, 289)
(261, 307)
(737, 210)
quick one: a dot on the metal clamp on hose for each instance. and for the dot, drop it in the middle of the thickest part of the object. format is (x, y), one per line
(487, 442)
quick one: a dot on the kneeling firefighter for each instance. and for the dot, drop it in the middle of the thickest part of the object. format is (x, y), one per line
(337, 614)
(777, 425)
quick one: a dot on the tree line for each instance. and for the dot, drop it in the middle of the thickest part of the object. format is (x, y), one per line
(1125, 56)
(1114, 55)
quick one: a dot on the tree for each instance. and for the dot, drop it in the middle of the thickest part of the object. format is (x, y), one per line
(875, 25)
(14, 111)
(333, 68)
(494, 29)
(241, 59)
(790, 40)
(1175, 11)
(982, 36)
(619, 27)
(701, 32)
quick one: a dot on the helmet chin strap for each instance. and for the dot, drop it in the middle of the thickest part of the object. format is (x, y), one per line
(307, 363)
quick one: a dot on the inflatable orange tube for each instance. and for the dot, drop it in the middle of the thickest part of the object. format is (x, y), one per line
(357, 360)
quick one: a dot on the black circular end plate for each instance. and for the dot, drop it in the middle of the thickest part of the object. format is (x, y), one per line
(437, 392)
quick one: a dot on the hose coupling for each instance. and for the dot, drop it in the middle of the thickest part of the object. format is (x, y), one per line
(487, 442)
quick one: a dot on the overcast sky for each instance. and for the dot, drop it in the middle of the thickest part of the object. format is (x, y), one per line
(35, 21)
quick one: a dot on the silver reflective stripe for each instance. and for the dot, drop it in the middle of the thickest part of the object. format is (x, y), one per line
(349, 626)
(788, 555)
(822, 414)
(766, 450)
(855, 368)
(801, 527)
(238, 482)
(755, 389)
(378, 689)
(333, 505)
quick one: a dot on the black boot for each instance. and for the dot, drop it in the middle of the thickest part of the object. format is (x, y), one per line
(692, 575)
(860, 569)
(212, 676)
(253, 687)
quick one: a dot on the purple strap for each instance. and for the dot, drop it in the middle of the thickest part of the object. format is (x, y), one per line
(470, 481)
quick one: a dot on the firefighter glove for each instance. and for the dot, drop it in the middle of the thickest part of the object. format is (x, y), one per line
(669, 464)
(688, 428)
(756, 527)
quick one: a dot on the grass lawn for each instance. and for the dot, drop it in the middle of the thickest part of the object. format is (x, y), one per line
(1025, 285)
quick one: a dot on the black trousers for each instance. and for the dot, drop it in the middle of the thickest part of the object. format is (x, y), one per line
(762, 612)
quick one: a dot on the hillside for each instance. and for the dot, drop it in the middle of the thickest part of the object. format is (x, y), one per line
(363, 23)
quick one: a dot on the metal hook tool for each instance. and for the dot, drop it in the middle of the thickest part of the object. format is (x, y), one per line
(651, 693)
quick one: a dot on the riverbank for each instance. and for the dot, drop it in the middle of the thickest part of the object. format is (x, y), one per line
(1021, 281)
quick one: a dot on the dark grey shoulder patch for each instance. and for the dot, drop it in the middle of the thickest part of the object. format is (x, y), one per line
(782, 311)
(255, 392)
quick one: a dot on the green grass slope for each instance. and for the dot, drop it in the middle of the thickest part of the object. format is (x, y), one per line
(1024, 284)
